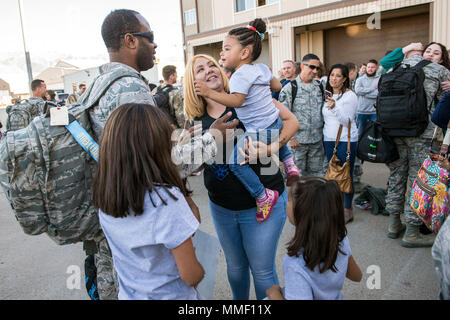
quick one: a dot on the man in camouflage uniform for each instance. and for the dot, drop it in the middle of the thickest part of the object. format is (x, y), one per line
(441, 257)
(32, 107)
(39, 89)
(412, 151)
(176, 106)
(307, 145)
(129, 40)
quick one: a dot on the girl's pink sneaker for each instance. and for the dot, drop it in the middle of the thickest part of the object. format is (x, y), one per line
(264, 208)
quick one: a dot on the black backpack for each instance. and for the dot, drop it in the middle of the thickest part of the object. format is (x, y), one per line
(162, 101)
(375, 145)
(402, 108)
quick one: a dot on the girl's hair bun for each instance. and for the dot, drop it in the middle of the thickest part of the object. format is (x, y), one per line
(259, 25)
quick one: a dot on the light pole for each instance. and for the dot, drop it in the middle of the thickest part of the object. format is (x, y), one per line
(27, 54)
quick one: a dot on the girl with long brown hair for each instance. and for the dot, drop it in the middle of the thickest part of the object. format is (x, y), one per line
(142, 207)
(318, 256)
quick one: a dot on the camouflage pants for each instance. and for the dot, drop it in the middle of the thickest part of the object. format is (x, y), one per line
(403, 172)
(309, 158)
(107, 282)
(441, 258)
(358, 171)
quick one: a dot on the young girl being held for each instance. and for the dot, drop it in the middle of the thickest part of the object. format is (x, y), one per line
(319, 257)
(250, 94)
(142, 207)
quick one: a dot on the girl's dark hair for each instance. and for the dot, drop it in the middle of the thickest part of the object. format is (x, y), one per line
(247, 36)
(445, 56)
(135, 158)
(318, 212)
(345, 72)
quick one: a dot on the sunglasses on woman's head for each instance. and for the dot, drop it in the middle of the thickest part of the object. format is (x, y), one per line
(148, 35)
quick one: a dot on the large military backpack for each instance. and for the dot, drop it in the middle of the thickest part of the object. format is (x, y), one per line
(20, 115)
(402, 108)
(47, 174)
(162, 101)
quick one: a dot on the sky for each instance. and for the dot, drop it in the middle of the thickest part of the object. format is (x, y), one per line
(71, 31)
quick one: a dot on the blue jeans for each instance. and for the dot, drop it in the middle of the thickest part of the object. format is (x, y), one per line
(249, 245)
(362, 119)
(342, 156)
(244, 173)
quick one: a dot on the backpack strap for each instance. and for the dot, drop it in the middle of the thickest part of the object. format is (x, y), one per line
(422, 64)
(294, 86)
(83, 138)
(322, 90)
(116, 76)
(168, 88)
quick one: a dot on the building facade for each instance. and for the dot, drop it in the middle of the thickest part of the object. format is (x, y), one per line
(336, 31)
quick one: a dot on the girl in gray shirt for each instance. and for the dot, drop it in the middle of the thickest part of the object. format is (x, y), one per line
(319, 257)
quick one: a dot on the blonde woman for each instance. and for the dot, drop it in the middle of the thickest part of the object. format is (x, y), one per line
(247, 244)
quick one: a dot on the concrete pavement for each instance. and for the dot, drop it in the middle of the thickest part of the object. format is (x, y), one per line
(34, 267)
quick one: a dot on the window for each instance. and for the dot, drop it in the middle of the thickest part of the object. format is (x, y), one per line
(190, 17)
(242, 5)
(265, 2)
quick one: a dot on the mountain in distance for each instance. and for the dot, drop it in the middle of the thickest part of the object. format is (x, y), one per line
(14, 69)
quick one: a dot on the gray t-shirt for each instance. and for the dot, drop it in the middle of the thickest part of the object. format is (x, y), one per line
(258, 110)
(141, 248)
(303, 284)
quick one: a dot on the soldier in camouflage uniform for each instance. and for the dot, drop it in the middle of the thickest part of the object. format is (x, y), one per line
(176, 111)
(412, 151)
(307, 143)
(131, 48)
(441, 257)
(20, 115)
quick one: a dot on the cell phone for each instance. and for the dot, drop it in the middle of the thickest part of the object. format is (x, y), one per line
(328, 94)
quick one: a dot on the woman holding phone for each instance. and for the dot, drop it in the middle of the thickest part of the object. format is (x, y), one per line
(338, 109)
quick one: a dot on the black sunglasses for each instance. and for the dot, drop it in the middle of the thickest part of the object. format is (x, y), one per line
(313, 67)
(148, 35)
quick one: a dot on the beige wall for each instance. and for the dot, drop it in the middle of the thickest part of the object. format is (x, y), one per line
(267, 10)
(441, 26)
(223, 13)
(244, 16)
(285, 45)
(185, 6)
(312, 42)
(294, 5)
(205, 15)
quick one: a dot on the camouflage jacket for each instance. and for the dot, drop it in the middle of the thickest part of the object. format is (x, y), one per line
(32, 108)
(434, 75)
(136, 90)
(38, 102)
(307, 108)
(176, 103)
(441, 257)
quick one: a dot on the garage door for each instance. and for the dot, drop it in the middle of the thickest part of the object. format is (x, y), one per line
(358, 44)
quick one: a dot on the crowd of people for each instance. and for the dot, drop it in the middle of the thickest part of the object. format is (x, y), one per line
(310, 113)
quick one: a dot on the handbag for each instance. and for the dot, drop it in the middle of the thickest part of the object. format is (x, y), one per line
(376, 146)
(429, 197)
(341, 174)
